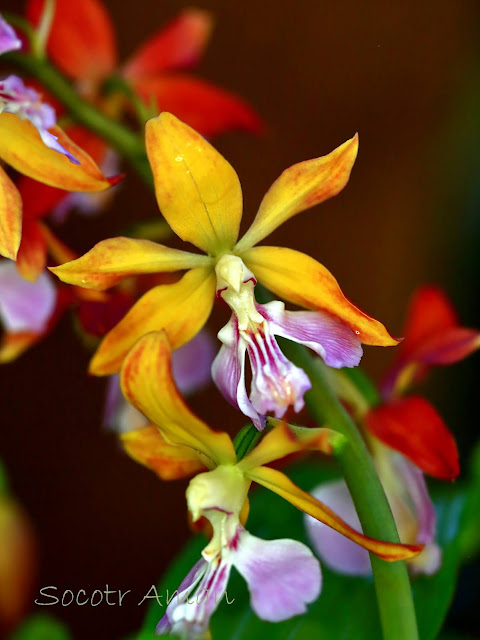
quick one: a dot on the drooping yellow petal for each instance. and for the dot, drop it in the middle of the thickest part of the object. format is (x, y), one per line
(10, 217)
(300, 187)
(22, 148)
(112, 260)
(181, 309)
(147, 383)
(197, 190)
(296, 277)
(284, 440)
(280, 484)
(168, 461)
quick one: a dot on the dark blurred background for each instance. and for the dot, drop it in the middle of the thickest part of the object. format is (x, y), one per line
(406, 76)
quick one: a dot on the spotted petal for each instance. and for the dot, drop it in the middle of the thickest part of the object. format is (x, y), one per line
(296, 277)
(197, 190)
(147, 383)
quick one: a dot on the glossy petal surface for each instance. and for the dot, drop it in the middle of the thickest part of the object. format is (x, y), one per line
(296, 277)
(10, 217)
(22, 147)
(197, 190)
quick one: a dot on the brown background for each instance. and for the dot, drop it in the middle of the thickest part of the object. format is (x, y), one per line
(406, 76)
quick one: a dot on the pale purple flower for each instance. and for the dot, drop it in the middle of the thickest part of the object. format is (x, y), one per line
(412, 508)
(26, 103)
(9, 41)
(24, 305)
(276, 382)
(283, 576)
(191, 365)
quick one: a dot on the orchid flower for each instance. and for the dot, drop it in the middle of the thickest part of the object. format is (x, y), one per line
(407, 438)
(82, 44)
(200, 196)
(177, 444)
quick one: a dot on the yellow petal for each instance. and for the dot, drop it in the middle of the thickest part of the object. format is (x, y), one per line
(170, 462)
(112, 260)
(10, 217)
(284, 440)
(300, 187)
(22, 148)
(296, 277)
(181, 309)
(147, 383)
(280, 484)
(198, 191)
(13, 344)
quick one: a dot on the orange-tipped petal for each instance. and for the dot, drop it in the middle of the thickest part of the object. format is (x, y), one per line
(197, 190)
(181, 309)
(148, 384)
(82, 40)
(280, 484)
(284, 440)
(178, 45)
(414, 428)
(115, 259)
(170, 462)
(10, 217)
(296, 277)
(22, 148)
(300, 187)
(203, 106)
(32, 255)
(12, 345)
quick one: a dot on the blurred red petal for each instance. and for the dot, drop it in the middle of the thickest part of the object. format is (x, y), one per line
(38, 199)
(430, 313)
(413, 427)
(82, 40)
(451, 346)
(32, 255)
(206, 108)
(179, 45)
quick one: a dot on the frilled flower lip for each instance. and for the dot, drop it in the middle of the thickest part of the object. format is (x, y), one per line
(326, 336)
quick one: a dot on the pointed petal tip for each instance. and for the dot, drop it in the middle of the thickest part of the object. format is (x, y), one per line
(116, 179)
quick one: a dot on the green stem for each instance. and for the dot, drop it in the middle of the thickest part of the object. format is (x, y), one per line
(392, 584)
(128, 143)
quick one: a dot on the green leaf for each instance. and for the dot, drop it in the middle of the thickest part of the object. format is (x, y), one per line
(41, 627)
(347, 607)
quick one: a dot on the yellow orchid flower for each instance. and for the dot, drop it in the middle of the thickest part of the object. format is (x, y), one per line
(200, 196)
(178, 443)
(62, 164)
